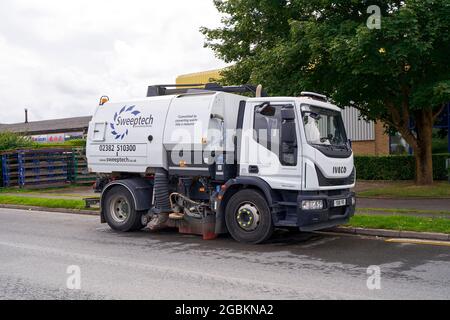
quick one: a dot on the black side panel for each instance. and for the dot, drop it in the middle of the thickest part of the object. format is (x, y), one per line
(240, 120)
(238, 138)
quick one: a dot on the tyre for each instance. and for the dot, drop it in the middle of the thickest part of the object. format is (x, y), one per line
(248, 217)
(120, 212)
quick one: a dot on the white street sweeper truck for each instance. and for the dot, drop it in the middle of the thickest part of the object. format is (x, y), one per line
(211, 160)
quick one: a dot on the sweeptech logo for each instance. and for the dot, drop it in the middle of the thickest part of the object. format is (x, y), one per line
(125, 119)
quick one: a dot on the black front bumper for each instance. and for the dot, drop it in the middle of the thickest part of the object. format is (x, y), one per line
(330, 216)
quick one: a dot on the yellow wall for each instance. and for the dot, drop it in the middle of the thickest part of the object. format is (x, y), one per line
(199, 77)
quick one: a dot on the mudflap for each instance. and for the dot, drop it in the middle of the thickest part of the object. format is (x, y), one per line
(204, 227)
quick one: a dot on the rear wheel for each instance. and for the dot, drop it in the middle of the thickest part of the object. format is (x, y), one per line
(120, 212)
(248, 217)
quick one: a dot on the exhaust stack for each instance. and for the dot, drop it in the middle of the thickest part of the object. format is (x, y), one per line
(259, 91)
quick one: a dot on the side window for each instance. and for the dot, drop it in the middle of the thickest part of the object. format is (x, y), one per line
(277, 134)
(267, 127)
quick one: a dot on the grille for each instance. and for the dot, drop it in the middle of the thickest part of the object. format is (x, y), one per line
(326, 182)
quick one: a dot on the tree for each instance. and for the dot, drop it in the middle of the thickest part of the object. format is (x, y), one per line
(398, 74)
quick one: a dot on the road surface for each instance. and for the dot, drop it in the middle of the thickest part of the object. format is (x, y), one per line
(36, 249)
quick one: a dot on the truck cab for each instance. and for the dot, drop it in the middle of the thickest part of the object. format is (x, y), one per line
(208, 161)
(299, 148)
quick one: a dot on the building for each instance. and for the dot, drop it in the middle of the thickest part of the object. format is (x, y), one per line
(199, 77)
(57, 130)
(368, 138)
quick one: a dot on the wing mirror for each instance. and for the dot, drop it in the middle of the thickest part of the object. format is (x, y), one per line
(266, 109)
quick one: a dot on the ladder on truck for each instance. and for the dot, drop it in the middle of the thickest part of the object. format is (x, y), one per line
(173, 89)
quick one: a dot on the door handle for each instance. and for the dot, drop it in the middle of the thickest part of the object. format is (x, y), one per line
(253, 169)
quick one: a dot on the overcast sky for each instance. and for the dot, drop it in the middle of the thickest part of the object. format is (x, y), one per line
(58, 57)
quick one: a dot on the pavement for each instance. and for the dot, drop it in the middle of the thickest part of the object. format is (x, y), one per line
(411, 204)
(36, 249)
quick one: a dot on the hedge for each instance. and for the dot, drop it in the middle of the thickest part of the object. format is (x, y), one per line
(397, 167)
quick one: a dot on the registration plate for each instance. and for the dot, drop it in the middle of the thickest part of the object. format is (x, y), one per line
(340, 203)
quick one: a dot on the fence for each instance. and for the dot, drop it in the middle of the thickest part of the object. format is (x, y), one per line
(80, 173)
(44, 167)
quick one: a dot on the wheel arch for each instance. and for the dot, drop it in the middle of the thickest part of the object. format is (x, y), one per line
(235, 185)
(140, 189)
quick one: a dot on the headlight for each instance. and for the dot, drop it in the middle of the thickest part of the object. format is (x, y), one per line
(312, 205)
(353, 201)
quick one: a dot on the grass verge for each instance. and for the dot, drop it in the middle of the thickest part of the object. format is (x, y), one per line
(437, 190)
(402, 211)
(401, 223)
(43, 202)
(41, 190)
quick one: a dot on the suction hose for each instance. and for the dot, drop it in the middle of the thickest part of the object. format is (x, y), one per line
(161, 190)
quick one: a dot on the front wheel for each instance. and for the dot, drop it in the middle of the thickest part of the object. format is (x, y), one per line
(248, 217)
(120, 212)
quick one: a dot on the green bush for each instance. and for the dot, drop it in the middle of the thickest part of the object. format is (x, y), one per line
(396, 167)
(448, 169)
(77, 143)
(440, 171)
(67, 144)
(440, 145)
(11, 141)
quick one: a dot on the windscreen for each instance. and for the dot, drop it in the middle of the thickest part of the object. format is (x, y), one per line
(323, 127)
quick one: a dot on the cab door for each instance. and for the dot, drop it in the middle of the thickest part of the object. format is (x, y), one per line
(270, 145)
